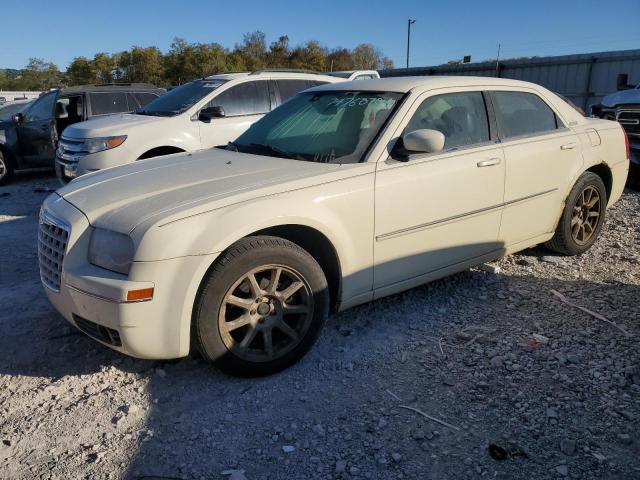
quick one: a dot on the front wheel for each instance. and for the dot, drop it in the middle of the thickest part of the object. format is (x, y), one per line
(261, 307)
(582, 217)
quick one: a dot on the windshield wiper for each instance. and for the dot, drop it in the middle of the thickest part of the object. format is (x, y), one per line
(275, 150)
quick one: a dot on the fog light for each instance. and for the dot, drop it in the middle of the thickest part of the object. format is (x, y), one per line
(140, 295)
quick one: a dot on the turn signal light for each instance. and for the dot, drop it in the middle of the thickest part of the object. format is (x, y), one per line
(139, 295)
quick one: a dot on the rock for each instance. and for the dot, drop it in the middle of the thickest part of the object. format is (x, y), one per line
(419, 435)
(129, 409)
(540, 338)
(497, 361)
(341, 466)
(354, 470)
(562, 470)
(567, 446)
(551, 413)
(288, 448)
(573, 358)
(396, 457)
(625, 438)
(487, 267)
(161, 372)
(551, 259)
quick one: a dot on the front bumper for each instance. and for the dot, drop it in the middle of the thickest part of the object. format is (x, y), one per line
(95, 300)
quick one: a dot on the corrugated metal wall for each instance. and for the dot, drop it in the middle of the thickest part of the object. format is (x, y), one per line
(584, 78)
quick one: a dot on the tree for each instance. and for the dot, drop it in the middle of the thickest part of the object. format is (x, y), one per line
(279, 54)
(81, 72)
(254, 50)
(339, 59)
(40, 75)
(308, 57)
(103, 64)
(366, 56)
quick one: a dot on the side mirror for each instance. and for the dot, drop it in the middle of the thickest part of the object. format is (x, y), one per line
(209, 113)
(424, 141)
(18, 117)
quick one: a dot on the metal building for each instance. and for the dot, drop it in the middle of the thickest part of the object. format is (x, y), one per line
(584, 78)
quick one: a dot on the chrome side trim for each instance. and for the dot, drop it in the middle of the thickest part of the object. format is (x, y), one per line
(480, 211)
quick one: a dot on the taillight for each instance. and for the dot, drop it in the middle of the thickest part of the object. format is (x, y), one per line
(626, 144)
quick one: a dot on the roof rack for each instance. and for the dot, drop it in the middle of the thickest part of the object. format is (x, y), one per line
(146, 85)
(284, 70)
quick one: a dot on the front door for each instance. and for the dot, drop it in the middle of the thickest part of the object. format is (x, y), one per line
(37, 132)
(438, 210)
(243, 104)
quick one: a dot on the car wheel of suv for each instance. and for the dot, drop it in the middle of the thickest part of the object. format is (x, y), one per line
(582, 218)
(261, 307)
(6, 168)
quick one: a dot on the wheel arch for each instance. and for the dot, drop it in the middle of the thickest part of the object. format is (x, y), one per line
(160, 151)
(604, 172)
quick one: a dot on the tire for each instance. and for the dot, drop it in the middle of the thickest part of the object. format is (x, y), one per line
(577, 217)
(236, 318)
(6, 168)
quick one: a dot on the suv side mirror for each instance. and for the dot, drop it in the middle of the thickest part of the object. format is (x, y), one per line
(18, 117)
(423, 141)
(209, 113)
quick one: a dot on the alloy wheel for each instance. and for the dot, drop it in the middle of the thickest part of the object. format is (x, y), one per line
(586, 215)
(3, 168)
(266, 313)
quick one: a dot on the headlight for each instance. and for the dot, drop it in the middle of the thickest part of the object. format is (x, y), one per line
(111, 250)
(93, 145)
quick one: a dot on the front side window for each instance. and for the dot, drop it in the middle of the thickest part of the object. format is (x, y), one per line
(105, 103)
(42, 109)
(461, 117)
(181, 98)
(8, 111)
(325, 126)
(521, 113)
(248, 98)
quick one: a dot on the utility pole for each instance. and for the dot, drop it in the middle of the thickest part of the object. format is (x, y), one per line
(498, 62)
(409, 23)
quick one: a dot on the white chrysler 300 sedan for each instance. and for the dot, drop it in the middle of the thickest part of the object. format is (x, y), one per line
(346, 193)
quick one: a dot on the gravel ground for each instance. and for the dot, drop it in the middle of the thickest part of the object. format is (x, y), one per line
(492, 355)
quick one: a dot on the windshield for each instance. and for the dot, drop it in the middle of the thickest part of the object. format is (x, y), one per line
(7, 111)
(181, 98)
(326, 127)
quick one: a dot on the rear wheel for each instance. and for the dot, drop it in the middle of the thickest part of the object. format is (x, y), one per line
(582, 218)
(6, 168)
(261, 307)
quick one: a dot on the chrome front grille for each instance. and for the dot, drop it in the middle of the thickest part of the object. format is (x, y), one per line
(52, 245)
(627, 116)
(70, 150)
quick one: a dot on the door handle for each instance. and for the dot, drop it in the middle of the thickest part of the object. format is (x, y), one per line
(489, 163)
(568, 146)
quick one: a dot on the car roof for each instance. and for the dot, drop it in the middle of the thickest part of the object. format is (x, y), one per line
(273, 74)
(406, 84)
(127, 87)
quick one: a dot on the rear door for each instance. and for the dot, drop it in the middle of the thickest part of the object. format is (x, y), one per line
(37, 132)
(542, 158)
(243, 104)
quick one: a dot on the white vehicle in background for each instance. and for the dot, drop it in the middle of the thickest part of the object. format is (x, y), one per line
(201, 114)
(345, 193)
(350, 75)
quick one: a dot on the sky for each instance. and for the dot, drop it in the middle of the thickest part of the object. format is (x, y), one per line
(444, 30)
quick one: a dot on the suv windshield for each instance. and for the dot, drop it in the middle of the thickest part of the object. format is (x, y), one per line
(180, 98)
(326, 127)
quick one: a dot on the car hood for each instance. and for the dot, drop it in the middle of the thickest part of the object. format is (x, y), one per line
(622, 97)
(108, 125)
(175, 186)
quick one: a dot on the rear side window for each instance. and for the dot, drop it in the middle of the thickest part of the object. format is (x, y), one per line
(105, 103)
(289, 88)
(521, 113)
(248, 98)
(461, 117)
